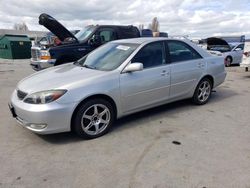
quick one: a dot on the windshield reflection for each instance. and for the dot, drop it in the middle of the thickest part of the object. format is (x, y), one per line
(85, 33)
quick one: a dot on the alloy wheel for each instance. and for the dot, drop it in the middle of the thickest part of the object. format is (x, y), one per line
(204, 91)
(95, 119)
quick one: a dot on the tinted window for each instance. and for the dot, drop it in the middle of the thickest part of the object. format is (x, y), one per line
(151, 55)
(241, 46)
(106, 36)
(180, 51)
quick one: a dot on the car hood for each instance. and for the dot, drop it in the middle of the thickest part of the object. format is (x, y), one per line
(214, 41)
(55, 27)
(59, 77)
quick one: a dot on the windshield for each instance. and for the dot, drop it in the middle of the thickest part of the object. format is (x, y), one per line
(220, 48)
(108, 57)
(232, 45)
(84, 33)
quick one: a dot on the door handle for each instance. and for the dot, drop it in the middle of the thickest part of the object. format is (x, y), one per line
(200, 65)
(164, 73)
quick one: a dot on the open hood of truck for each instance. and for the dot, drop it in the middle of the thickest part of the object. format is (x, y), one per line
(56, 28)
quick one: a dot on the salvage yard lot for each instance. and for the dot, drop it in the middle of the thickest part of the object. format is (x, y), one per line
(214, 149)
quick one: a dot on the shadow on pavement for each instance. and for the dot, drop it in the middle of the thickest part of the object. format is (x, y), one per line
(153, 113)
(61, 138)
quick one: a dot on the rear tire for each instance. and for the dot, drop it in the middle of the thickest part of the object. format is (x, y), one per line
(93, 119)
(202, 92)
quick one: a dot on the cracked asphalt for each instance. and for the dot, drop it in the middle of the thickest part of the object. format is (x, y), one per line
(172, 146)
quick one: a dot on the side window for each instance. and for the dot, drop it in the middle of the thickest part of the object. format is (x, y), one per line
(151, 55)
(179, 51)
(107, 35)
(241, 46)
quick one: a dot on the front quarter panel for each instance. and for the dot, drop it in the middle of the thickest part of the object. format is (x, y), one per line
(107, 84)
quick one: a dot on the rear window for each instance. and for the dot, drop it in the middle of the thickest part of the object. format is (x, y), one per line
(180, 51)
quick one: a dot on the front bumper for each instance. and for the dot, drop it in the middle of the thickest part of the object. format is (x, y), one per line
(48, 118)
(39, 64)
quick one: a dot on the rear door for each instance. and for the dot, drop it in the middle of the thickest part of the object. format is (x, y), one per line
(151, 85)
(187, 67)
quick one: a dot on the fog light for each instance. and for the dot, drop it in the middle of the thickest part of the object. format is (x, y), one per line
(37, 126)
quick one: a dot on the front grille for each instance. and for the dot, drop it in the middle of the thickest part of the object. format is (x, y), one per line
(21, 95)
(35, 54)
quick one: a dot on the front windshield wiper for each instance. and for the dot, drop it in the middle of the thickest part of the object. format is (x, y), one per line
(88, 66)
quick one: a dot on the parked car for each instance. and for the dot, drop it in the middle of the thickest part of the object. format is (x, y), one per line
(73, 47)
(117, 79)
(246, 56)
(232, 52)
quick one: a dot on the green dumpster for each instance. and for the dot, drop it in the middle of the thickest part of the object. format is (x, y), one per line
(15, 47)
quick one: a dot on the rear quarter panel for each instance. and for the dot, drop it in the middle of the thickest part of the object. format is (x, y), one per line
(216, 68)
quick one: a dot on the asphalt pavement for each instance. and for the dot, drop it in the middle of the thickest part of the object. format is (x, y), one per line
(171, 146)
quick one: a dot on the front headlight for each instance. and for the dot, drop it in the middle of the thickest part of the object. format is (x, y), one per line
(45, 54)
(44, 97)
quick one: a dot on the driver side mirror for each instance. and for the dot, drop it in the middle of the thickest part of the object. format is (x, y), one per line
(134, 67)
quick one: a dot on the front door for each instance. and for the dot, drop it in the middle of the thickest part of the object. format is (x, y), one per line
(150, 86)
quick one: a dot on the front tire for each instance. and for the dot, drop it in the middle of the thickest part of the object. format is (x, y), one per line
(94, 118)
(202, 92)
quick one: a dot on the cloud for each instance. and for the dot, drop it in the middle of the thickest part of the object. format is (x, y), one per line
(198, 18)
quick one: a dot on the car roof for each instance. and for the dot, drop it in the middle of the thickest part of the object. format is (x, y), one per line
(141, 40)
(145, 40)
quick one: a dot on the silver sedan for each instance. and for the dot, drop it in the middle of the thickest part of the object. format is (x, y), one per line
(115, 80)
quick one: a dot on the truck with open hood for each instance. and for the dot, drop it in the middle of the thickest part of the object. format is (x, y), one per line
(72, 47)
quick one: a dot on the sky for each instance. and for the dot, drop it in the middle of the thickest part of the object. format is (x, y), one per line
(195, 18)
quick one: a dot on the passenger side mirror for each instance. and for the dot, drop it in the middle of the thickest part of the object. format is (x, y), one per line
(134, 67)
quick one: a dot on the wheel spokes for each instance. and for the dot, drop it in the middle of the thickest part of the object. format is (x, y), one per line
(95, 119)
(204, 91)
(87, 117)
(89, 126)
(104, 121)
(97, 128)
(95, 109)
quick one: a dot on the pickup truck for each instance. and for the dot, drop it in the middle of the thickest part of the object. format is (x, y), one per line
(73, 47)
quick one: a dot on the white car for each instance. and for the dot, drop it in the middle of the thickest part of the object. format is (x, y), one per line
(246, 56)
(232, 52)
